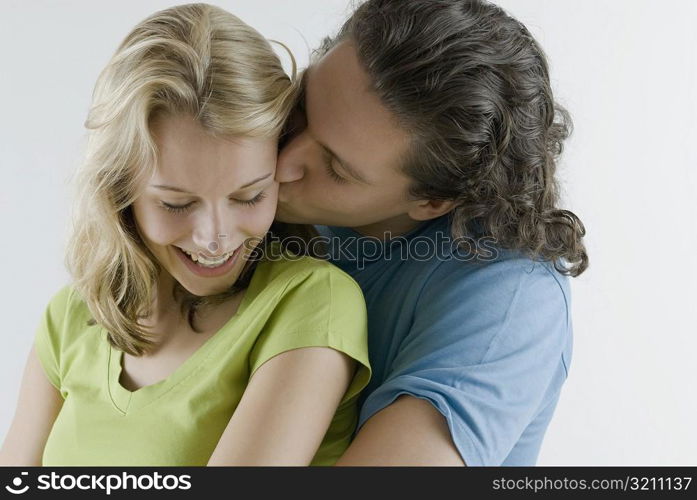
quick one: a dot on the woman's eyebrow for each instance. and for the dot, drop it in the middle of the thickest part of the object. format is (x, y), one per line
(180, 190)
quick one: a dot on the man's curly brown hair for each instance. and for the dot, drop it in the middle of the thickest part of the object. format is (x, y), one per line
(471, 85)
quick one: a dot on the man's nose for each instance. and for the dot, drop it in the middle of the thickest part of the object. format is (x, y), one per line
(292, 159)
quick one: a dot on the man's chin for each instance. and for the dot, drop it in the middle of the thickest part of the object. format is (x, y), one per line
(291, 217)
(284, 214)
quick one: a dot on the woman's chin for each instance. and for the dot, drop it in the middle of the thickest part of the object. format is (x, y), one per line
(203, 290)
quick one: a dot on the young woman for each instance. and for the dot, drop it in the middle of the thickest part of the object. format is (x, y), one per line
(181, 341)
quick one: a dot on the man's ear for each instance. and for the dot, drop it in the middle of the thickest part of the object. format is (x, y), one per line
(424, 210)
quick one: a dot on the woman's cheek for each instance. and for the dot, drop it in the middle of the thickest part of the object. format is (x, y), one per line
(260, 217)
(156, 225)
(164, 227)
(169, 229)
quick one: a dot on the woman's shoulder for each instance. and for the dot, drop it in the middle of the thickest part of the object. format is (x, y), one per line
(290, 289)
(288, 270)
(63, 302)
(59, 338)
(66, 313)
(303, 301)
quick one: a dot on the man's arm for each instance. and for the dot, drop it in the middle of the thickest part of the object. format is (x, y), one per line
(484, 354)
(410, 431)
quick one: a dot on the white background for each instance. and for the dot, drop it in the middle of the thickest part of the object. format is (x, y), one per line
(627, 72)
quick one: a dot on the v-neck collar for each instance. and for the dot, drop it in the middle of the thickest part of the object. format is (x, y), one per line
(126, 401)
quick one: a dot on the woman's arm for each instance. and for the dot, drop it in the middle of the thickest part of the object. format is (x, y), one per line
(286, 409)
(37, 408)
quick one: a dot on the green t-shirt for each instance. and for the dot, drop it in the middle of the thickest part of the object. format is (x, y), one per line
(178, 421)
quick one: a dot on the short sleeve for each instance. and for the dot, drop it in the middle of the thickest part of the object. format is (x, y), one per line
(485, 348)
(322, 308)
(47, 338)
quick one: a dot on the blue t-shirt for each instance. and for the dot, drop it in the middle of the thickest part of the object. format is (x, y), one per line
(487, 341)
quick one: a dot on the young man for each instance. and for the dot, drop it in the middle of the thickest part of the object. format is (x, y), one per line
(426, 151)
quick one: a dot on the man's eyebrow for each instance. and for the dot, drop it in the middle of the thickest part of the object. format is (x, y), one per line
(180, 190)
(345, 165)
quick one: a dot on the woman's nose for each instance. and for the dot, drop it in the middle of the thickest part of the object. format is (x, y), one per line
(212, 231)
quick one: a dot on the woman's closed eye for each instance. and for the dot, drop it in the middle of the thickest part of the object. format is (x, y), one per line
(178, 209)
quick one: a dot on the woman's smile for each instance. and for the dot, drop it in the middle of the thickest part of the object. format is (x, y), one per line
(203, 268)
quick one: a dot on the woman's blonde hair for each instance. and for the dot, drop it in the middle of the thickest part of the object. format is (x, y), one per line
(193, 59)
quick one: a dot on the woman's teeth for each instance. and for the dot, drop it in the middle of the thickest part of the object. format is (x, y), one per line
(203, 261)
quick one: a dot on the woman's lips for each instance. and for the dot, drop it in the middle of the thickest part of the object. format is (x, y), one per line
(209, 272)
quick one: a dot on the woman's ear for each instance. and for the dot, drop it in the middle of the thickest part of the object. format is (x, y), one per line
(295, 123)
(430, 209)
